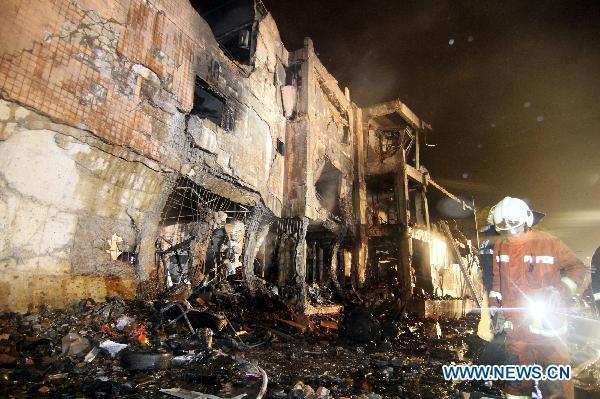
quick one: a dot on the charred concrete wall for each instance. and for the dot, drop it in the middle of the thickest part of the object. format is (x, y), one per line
(321, 139)
(97, 125)
(64, 204)
(320, 174)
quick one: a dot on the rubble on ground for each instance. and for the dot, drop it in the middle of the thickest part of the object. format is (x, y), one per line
(238, 349)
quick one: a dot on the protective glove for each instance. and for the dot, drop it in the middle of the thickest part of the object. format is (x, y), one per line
(493, 309)
(498, 320)
(493, 306)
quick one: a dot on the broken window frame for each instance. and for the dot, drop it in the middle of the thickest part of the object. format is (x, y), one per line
(226, 113)
(346, 134)
(329, 168)
(381, 197)
(230, 40)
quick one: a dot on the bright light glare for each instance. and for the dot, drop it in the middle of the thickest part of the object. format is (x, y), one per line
(538, 309)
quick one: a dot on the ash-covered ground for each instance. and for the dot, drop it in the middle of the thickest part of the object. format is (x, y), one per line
(256, 348)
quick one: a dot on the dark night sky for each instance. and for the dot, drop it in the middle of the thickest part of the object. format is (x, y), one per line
(511, 88)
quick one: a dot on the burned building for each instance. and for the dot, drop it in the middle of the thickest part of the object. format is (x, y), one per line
(147, 146)
(190, 208)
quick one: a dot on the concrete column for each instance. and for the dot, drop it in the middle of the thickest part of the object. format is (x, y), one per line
(313, 254)
(404, 240)
(359, 258)
(347, 258)
(321, 264)
(256, 231)
(283, 257)
(333, 269)
(300, 262)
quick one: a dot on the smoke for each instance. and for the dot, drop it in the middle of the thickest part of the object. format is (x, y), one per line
(452, 209)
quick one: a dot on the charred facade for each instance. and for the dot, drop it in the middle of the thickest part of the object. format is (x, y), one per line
(148, 147)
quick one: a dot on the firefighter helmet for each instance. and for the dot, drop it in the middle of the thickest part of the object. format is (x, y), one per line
(510, 213)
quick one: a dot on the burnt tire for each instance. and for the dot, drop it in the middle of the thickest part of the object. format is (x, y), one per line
(146, 360)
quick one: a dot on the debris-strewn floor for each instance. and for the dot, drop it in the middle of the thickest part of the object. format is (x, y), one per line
(68, 353)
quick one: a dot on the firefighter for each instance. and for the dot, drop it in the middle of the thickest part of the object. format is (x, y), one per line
(596, 281)
(486, 328)
(534, 275)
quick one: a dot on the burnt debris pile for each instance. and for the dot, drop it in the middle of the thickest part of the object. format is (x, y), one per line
(221, 344)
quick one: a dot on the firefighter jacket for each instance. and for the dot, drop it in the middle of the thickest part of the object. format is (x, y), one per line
(524, 267)
(596, 275)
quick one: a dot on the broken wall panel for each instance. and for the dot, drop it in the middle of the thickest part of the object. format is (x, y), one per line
(323, 113)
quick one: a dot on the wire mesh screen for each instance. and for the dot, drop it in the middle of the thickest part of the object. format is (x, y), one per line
(185, 228)
(189, 204)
